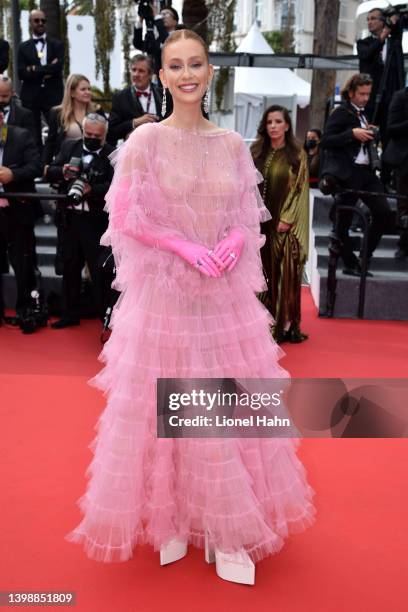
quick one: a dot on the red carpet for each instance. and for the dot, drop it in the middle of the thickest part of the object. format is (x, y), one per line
(354, 558)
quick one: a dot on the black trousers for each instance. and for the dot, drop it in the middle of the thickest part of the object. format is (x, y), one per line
(38, 111)
(363, 179)
(20, 241)
(402, 188)
(80, 244)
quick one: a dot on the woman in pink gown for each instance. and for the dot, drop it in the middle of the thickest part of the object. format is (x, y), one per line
(188, 180)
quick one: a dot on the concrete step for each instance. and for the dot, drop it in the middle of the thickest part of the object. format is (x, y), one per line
(383, 260)
(386, 297)
(388, 241)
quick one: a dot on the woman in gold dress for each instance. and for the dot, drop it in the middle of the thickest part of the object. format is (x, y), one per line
(283, 164)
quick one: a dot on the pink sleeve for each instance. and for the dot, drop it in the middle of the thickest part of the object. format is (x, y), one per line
(135, 203)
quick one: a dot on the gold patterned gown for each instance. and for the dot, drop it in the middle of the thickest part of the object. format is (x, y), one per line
(285, 253)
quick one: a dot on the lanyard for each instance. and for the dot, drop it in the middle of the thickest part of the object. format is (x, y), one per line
(3, 135)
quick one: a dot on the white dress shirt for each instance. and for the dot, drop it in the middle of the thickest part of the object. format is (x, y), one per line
(362, 158)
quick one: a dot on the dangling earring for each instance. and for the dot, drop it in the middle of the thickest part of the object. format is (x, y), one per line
(206, 100)
(164, 103)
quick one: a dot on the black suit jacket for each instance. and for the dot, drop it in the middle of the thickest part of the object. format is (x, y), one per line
(101, 164)
(56, 134)
(125, 108)
(4, 55)
(396, 152)
(339, 146)
(36, 90)
(23, 158)
(369, 51)
(21, 117)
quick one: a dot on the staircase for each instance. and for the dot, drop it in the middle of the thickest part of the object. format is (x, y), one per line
(386, 292)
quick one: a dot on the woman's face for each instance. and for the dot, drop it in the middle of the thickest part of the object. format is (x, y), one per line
(276, 126)
(312, 136)
(186, 71)
(82, 92)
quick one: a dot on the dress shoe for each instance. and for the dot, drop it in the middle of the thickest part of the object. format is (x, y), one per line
(355, 271)
(173, 551)
(400, 254)
(64, 322)
(234, 567)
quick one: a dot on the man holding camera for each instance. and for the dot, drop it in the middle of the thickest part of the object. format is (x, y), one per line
(20, 164)
(396, 155)
(158, 27)
(348, 158)
(140, 103)
(84, 172)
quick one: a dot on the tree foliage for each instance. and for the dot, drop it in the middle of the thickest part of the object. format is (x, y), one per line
(104, 15)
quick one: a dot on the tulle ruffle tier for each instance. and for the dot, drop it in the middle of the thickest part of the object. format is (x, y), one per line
(171, 322)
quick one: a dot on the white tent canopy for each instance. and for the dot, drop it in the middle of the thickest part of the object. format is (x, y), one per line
(257, 88)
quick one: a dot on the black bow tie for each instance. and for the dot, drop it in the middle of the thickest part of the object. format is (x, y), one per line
(93, 153)
(41, 40)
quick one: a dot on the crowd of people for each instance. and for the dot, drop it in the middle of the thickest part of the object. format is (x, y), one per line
(81, 137)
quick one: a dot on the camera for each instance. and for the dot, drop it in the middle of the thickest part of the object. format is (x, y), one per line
(145, 10)
(390, 11)
(81, 176)
(34, 316)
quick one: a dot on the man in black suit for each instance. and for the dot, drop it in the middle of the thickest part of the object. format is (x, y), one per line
(85, 222)
(40, 67)
(4, 55)
(14, 114)
(396, 155)
(346, 157)
(381, 56)
(383, 46)
(140, 103)
(158, 28)
(19, 164)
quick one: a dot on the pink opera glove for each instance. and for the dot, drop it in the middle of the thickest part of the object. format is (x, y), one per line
(199, 256)
(3, 202)
(229, 249)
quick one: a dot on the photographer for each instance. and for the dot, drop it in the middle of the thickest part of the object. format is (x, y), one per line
(350, 160)
(140, 103)
(381, 57)
(158, 27)
(83, 170)
(396, 155)
(20, 164)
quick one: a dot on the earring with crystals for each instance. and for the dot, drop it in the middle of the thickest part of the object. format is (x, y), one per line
(164, 103)
(206, 100)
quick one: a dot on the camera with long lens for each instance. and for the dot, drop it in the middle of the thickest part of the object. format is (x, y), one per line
(80, 176)
(35, 315)
(390, 11)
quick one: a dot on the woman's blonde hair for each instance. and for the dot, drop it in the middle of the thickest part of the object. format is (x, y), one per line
(184, 35)
(66, 110)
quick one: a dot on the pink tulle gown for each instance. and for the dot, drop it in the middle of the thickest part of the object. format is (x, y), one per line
(171, 321)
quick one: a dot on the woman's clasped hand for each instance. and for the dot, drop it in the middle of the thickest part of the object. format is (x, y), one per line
(213, 262)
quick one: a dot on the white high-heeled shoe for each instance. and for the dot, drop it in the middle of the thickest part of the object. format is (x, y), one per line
(173, 551)
(235, 567)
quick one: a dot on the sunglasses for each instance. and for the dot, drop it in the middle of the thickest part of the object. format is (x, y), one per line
(39, 20)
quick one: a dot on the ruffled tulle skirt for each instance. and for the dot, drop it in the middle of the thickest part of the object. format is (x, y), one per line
(247, 493)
